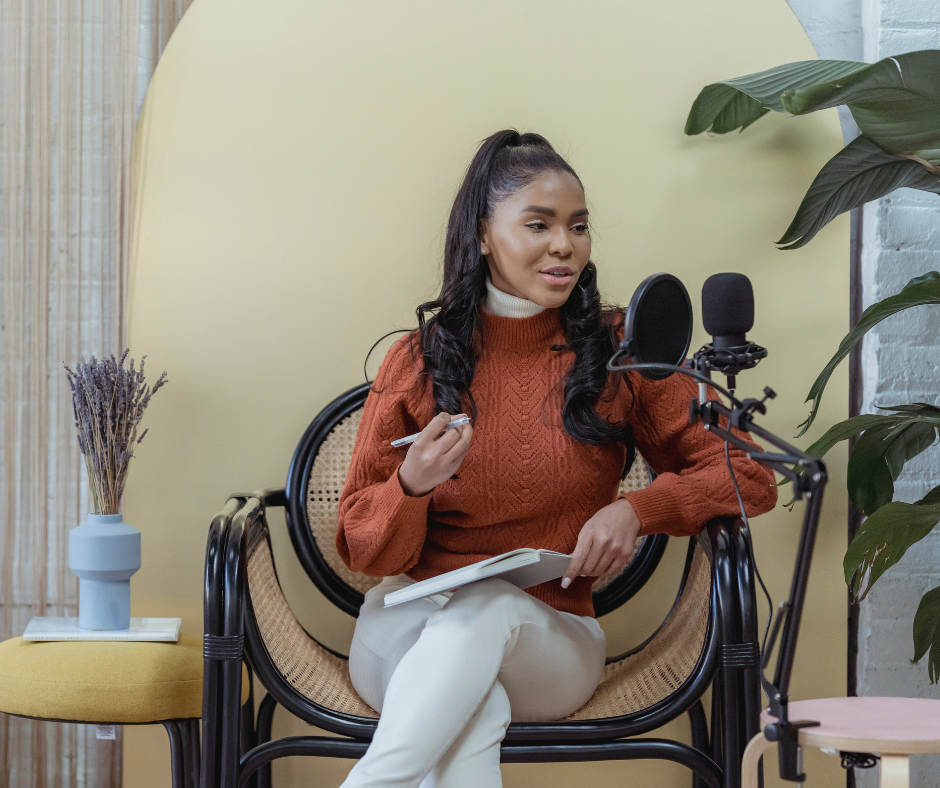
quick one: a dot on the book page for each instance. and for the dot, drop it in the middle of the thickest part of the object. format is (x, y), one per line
(523, 567)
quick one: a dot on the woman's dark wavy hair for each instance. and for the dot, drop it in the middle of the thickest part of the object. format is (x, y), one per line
(448, 326)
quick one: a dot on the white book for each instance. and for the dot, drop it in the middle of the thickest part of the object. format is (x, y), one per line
(523, 568)
(53, 628)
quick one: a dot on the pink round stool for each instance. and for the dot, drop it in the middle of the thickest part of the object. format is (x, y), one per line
(892, 727)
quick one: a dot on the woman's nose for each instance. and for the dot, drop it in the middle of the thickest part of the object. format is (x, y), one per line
(560, 243)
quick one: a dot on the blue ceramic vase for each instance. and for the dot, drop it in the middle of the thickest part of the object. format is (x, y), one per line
(104, 553)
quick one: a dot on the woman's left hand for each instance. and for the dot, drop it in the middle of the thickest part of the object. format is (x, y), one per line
(605, 544)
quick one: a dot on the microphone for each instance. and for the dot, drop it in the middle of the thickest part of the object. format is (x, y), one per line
(728, 314)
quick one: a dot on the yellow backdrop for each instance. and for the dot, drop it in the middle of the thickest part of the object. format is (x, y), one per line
(296, 163)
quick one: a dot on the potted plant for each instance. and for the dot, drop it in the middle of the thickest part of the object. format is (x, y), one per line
(895, 102)
(108, 401)
(896, 105)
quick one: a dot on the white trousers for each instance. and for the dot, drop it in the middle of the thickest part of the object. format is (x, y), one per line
(448, 673)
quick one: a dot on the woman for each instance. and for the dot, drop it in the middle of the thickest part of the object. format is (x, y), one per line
(519, 339)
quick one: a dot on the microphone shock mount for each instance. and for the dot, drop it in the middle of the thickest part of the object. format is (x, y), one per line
(729, 359)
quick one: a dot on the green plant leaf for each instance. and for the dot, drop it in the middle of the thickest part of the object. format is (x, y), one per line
(871, 485)
(895, 102)
(919, 291)
(883, 540)
(843, 431)
(930, 498)
(860, 172)
(848, 429)
(927, 632)
(923, 409)
(736, 103)
(903, 417)
(878, 458)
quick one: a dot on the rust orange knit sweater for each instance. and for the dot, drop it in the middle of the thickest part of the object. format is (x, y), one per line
(524, 482)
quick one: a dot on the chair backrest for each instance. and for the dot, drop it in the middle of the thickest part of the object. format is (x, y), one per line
(316, 478)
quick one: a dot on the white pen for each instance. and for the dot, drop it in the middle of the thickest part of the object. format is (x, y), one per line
(459, 421)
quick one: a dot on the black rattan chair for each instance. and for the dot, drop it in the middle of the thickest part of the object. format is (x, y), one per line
(709, 637)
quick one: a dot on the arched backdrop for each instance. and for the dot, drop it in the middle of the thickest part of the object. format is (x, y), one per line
(295, 166)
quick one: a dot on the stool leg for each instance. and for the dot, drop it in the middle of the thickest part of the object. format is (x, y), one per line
(196, 750)
(895, 771)
(183, 727)
(751, 762)
(176, 754)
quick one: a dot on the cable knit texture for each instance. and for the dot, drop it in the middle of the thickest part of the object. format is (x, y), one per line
(524, 481)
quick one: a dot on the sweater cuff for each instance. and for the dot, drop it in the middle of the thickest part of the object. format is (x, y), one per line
(658, 509)
(383, 536)
(397, 500)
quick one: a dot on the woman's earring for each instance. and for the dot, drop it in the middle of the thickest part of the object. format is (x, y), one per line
(482, 250)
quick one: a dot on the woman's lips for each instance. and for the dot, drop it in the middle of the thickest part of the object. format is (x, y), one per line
(557, 276)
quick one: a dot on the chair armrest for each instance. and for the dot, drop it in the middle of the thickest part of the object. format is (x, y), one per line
(272, 496)
(269, 496)
(720, 533)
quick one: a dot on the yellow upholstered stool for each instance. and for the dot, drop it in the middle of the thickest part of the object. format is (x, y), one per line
(112, 682)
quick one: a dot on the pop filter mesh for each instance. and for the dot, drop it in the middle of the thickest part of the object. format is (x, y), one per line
(662, 324)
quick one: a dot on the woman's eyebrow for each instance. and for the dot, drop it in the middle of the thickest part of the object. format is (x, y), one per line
(549, 211)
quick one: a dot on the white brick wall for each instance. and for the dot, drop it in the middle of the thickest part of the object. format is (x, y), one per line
(901, 357)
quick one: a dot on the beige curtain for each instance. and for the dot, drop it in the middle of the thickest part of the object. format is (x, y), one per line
(72, 77)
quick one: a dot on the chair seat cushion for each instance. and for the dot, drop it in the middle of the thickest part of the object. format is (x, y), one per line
(103, 681)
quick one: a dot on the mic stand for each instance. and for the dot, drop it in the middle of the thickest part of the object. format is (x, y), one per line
(810, 482)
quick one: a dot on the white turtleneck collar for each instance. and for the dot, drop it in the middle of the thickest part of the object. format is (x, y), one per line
(504, 305)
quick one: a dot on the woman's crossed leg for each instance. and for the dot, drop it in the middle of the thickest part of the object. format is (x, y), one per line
(447, 680)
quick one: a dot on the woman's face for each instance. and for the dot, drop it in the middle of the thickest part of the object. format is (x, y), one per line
(537, 240)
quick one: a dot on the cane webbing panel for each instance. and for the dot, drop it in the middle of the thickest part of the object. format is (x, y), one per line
(328, 475)
(627, 686)
(659, 669)
(308, 667)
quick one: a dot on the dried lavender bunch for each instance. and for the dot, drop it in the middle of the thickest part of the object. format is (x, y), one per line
(109, 402)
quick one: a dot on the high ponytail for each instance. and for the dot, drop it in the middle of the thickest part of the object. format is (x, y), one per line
(448, 326)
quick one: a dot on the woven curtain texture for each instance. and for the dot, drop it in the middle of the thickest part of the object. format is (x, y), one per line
(73, 74)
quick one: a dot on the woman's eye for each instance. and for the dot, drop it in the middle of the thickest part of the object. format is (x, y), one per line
(537, 225)
(580, 228)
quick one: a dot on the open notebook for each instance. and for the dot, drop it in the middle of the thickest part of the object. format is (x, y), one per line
(523, 568)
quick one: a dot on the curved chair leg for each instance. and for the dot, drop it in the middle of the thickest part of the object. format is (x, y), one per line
(699, 736)
(750, 764)
(727, 690)
(177, 757)
(747, 599)
(246, 725)
(715, 727)
(265, 722)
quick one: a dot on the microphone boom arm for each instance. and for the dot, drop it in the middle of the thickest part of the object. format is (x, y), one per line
(809, 476)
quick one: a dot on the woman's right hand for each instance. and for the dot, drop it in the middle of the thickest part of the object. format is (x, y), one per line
(435, 456)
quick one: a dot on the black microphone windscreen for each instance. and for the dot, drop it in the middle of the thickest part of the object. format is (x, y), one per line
(727, 305)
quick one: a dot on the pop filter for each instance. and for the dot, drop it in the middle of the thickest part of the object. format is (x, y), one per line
(658, 325)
